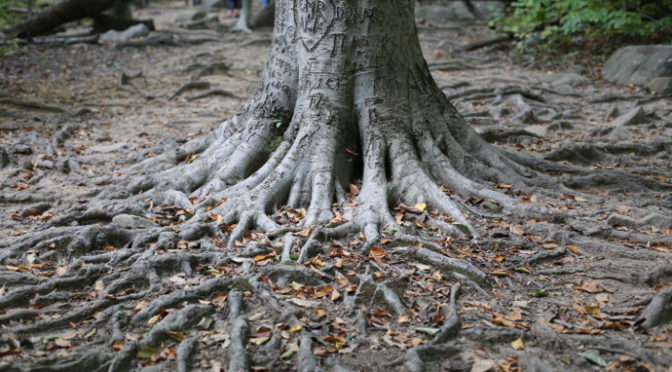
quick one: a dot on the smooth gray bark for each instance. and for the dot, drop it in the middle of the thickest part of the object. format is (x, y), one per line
(346, 96)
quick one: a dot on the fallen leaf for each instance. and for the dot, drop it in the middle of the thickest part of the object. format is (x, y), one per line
(518, 344)
(259, 340)
(304, 233)
(428, 330)
(591, 286)
(499, 320)
(304, 303)
(404, 318)
(593, 309)
(99, 285)
(140, 305)
(421, 206)
(594, 358)
(377, 253)
(178, 336)
(17, 268)
(335, 294)
(291, 350)
(622, 209)
(153, 320)
(62, 343)
(500, 272)
(91, 333)
(262, 257)
(146, 353)
(540, 293)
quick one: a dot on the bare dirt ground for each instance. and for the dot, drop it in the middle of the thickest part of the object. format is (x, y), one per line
(548, 295)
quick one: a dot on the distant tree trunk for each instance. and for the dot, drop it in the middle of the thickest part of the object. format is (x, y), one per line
(71, 10)
(244, 19)
(58, 14)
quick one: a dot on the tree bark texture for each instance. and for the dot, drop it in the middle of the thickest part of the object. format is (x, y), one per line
(346, 95)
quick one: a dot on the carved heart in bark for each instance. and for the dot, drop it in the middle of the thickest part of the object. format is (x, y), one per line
(313, 20)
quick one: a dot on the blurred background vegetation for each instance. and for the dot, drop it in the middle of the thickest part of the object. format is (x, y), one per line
(569, 28)
(558, 26)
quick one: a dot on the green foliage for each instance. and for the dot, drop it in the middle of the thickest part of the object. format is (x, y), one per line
(549, 22)
(8, 12)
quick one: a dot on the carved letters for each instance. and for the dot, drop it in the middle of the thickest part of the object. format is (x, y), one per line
(313, 20)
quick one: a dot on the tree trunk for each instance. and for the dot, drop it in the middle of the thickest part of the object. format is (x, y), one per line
(346, 96)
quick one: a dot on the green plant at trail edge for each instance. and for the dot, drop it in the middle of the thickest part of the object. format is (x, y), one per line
(550, 22)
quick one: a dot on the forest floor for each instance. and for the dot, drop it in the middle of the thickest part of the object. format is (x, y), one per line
(558, 295)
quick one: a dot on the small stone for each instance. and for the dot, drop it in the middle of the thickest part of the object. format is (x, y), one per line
(661, 85)
(127, 220)
(539, 130)
(633, 117)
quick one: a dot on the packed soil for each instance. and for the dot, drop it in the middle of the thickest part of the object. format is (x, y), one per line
(581, 292)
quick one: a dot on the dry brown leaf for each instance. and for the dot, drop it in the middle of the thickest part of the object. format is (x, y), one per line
(377, 253)
(304, 303)
(550, 245)
(591, 286)
(17, 268)
(500, 320)
(500, 272)
(304, 233)
(99, 285)
(335, 294)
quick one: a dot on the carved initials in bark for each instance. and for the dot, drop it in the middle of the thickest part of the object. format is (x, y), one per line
(313, 20)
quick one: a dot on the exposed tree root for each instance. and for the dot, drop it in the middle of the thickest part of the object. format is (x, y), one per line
(659, 310)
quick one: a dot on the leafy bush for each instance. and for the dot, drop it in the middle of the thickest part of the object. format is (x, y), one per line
(549, 22)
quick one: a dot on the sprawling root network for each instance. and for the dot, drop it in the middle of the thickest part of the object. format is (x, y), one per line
(139, 289)
(146, 285)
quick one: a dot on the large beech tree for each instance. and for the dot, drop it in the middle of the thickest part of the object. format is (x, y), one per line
(347, 123)
(346, 95)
